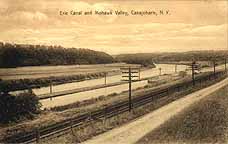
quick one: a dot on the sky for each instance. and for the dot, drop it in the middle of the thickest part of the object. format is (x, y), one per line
(189, 25)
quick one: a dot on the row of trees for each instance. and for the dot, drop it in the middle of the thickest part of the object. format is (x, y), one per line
(142, 59)
(173, 57)
(30, 55)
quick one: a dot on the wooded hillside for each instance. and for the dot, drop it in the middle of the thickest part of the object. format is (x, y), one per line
(14, 55)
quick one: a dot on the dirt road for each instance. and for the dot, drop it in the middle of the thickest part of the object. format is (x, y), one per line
(132, 132)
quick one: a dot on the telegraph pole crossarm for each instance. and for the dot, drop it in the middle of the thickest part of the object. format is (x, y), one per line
(128, 73)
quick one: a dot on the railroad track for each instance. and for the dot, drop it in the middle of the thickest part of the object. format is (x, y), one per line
(110, 111)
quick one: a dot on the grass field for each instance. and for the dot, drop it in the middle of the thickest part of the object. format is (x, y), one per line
(204, 122)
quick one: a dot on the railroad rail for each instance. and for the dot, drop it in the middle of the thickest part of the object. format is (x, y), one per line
(109, 111)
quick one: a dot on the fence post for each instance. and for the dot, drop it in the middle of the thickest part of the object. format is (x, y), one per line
(71, 127)
(37, 135)
(104, 119)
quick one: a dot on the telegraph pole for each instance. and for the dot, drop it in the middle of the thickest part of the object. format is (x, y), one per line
(214, 67)
(130, 102)
(129, 71)
(105, 78)
(139, 74)
(51, 87)
(225, 66)
(193, 73)
(160, 71)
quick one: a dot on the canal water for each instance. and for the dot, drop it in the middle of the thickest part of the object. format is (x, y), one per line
(71, 98)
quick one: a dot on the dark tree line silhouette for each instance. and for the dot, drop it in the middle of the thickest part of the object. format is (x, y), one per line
(13, 55)
(146, 58)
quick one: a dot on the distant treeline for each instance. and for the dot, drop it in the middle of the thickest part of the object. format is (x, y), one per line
(173, 57)
(14, 55)
(145, 61)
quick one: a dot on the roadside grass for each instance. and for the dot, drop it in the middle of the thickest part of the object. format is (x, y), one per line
(87, 131)
(203, 122)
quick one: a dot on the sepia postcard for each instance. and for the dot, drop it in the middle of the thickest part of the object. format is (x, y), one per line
(114, 71)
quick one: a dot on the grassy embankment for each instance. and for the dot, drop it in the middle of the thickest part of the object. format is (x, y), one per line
(204, 122)
(96, 127)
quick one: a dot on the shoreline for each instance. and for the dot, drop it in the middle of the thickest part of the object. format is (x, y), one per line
(24, 84)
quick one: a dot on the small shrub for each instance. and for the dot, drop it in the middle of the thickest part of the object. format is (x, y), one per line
(15, 108)
(113, 94)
